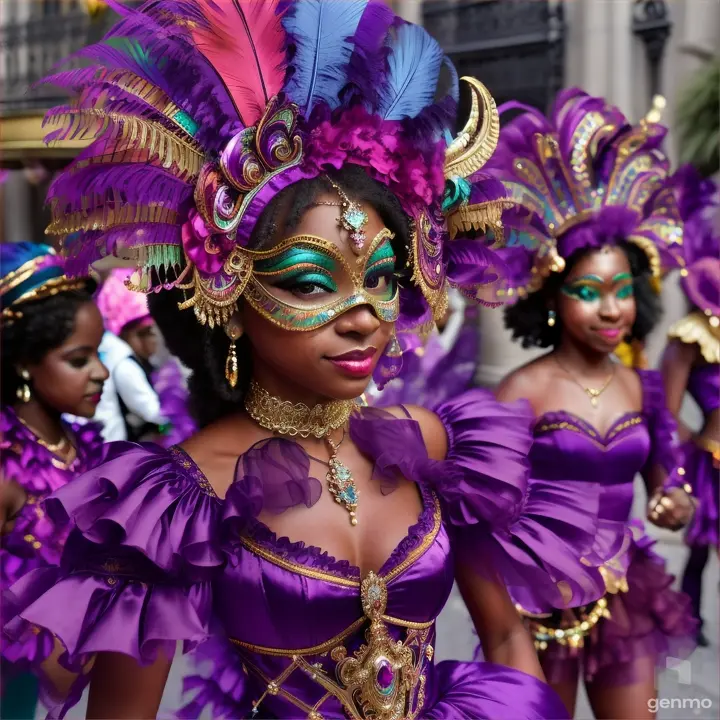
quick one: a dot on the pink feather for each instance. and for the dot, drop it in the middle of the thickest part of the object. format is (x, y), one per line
(245, 42)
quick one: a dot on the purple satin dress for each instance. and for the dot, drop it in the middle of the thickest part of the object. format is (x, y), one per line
(158, 558)
(650, 619)
(701, 466)
(35, 541)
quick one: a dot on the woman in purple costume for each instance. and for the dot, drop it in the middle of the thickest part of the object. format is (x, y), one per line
(691, 364)
(50, 335)
(590, 207)
(297, 208)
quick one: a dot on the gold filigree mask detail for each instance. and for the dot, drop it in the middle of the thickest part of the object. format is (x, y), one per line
(305, 282)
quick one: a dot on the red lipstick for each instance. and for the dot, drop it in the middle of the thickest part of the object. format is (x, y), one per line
(356, 363)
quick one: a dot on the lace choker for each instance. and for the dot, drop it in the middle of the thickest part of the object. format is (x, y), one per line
(296, 419)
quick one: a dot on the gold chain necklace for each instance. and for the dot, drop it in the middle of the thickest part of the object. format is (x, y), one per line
(64, 451)
(592, 393)
(296, 419)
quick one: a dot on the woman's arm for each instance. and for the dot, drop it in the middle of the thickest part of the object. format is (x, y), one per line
(12, 500)
(122, 689)
(677, 362)
(503, 636)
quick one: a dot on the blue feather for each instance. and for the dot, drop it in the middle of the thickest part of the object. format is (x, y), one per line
(415, 62)
(322, 32)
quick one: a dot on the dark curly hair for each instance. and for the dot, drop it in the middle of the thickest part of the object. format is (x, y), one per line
(528, 317)
(204, 350)
(44, 325)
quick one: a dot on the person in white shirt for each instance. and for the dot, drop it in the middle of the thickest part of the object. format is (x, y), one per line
(129, 344)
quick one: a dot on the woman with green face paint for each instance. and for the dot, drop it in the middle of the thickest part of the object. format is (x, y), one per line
(596, 229)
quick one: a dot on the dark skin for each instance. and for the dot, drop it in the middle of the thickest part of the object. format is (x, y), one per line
(142, 338)
(293, 365)
(596, 311)
(679, 359)
(68, 379)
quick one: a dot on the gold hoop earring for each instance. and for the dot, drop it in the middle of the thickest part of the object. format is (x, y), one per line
(231, 363)
(23, 392)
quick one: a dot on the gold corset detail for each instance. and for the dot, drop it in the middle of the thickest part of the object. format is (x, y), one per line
(384, 679)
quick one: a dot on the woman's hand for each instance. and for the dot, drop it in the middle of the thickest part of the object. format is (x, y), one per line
(672, 509)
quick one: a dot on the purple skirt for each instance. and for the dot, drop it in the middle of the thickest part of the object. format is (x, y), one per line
(650, 620)
(704, 476)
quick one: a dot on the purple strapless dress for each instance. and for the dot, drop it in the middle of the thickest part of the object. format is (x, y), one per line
(702, 465)
(35, 541)
(157, 558)
(650, 619)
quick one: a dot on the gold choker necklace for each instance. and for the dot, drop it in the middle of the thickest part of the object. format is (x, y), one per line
(286, 418)
(296, 419)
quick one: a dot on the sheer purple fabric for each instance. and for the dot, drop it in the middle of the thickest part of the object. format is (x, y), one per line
(157, 557)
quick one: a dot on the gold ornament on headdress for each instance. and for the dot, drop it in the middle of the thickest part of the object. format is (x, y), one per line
(467, 154)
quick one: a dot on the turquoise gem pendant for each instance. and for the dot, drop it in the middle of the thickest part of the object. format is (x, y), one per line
(341, 484)
(354, 219)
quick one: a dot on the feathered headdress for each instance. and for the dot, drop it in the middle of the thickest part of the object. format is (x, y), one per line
(584, 177)
(698, 257)
(201, 112)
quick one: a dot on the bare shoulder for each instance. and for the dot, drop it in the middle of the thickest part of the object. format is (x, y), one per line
(216, 448)
(431, 427)
(527, 382)
(631, 384)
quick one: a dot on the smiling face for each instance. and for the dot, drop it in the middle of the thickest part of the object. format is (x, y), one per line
(70, 377)
(596, 304)
(319, 314)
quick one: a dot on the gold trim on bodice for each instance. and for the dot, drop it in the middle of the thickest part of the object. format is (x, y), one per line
(330, 577)
(695, 329)
(384, 679)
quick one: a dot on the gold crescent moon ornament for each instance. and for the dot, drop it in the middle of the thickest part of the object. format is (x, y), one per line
(474, 146)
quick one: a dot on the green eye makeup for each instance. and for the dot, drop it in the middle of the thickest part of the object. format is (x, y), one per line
(588, 293)
(299, 266)
(313, 270)
(589, 287)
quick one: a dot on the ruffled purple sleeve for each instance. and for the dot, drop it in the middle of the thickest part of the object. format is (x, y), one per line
(664, 446)
(539, 536)
(135, 573)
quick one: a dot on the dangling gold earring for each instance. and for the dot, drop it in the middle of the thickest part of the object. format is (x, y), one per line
(23, 392)
(231, 363)
(551, 318)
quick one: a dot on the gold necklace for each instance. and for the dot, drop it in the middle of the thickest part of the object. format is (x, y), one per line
(296, 419)
(592, 393)
(286, 418)
(341, 483)
(63, 458)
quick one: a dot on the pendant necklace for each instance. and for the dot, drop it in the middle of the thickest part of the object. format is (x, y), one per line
(341, 483)
(592, 393)
(296, 419)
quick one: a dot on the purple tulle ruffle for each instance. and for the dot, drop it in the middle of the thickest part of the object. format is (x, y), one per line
(651, 620)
